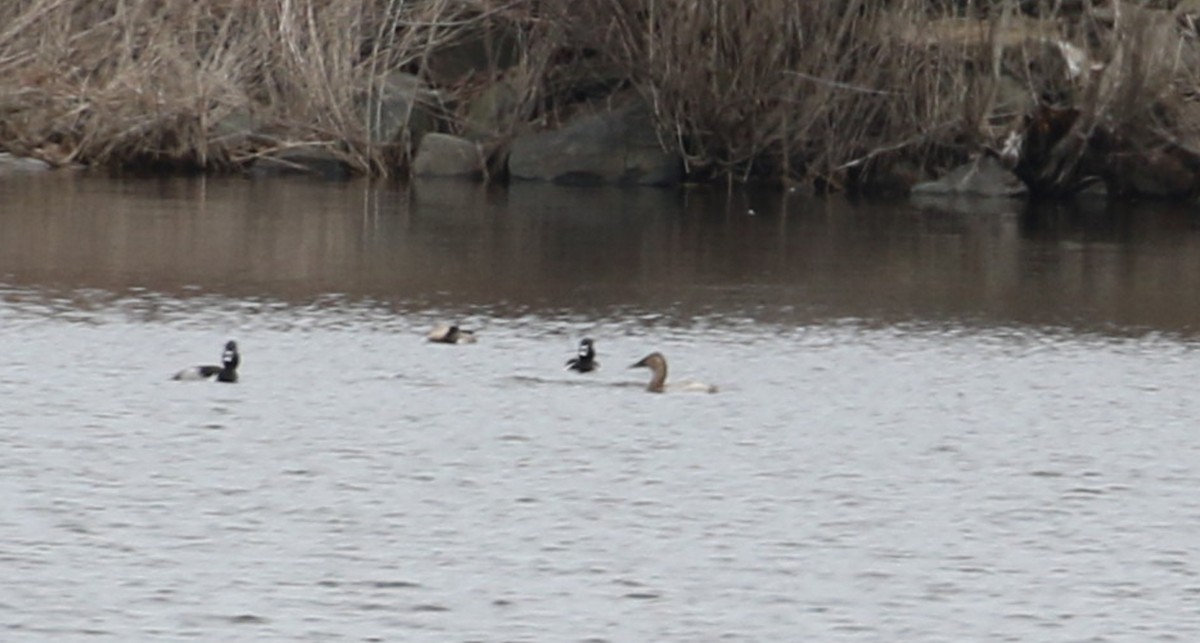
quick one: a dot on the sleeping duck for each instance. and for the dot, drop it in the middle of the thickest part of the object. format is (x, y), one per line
(226, 372)
(585, 361)
(658, 366)
(451, 335)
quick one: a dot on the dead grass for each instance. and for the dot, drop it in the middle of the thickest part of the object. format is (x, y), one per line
(180, 83)
(793, 91)
(832, 91)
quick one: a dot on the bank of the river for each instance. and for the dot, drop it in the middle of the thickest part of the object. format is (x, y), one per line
(943, 97)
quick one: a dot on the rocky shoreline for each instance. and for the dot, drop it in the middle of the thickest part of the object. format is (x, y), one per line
(1101, 99)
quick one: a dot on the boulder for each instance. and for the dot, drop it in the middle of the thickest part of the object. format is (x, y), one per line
(1168, 173)
(889, 178)
(984, 176)
(304, 161)
(397, 110)
(235, 132)
(10, 164)
(969, 206)
(493, 112)
(614, 147)
(235, 125)
(444, 155)
(488, 47)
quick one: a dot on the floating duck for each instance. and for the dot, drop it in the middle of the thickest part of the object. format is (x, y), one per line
(226, 372)
(585, 361)
(658, 382)
(451, 335)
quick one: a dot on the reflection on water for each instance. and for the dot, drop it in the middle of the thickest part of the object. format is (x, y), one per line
(931, 425)
(547, 250)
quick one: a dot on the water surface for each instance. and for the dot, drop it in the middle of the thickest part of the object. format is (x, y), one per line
(934, 424)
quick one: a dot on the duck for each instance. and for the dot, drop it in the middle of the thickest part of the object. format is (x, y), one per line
(585, 361)
(226, 372)
(451, 335)
(658, 382)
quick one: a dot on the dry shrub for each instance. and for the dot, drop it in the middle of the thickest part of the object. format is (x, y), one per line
(163, 82)
(1132, 100)
(825, 91)
(822, 91)
(799, 89)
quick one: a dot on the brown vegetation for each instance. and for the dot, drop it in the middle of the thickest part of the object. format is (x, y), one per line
(834, 93)
(172, 82)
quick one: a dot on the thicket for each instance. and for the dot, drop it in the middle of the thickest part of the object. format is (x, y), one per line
(825, 91)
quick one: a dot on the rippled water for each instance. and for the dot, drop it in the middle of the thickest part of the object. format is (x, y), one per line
(932, 426)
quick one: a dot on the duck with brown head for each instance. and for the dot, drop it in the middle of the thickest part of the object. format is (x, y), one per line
(658, 379)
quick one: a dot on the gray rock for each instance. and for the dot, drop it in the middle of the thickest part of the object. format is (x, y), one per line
(969, 205)
(444, 155)
(397, 110)
(896, 178)
(305, 161)
(984, 176)
(493, 112)
(237, 124)
(10, 164)
(1156, 173)
(235, 133)
(616, 147)
(486, 48)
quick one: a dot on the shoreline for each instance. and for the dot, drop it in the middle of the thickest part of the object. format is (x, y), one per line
(904, 100)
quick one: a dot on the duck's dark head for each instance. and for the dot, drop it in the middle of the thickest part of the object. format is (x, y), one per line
(451, 335)
(230, 358)
(585, 359)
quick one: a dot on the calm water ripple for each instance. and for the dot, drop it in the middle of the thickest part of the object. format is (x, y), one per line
(939, 471)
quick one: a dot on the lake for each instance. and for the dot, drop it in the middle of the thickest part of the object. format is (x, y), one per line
(936, 422)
